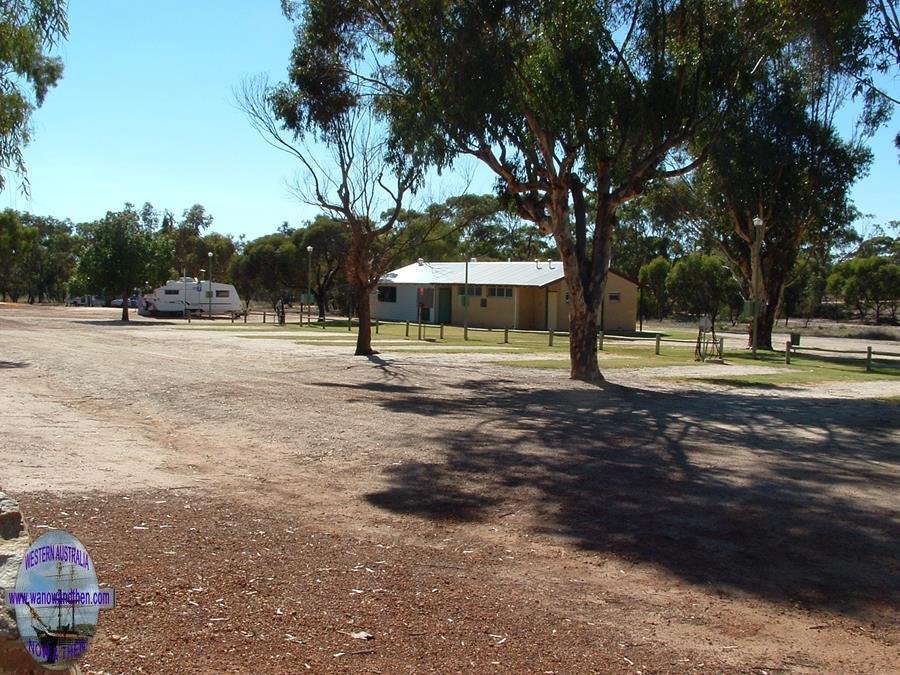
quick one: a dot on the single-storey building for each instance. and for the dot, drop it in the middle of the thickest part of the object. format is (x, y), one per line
(517, 295)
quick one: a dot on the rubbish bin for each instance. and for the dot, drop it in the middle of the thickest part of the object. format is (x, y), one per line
(795, 339)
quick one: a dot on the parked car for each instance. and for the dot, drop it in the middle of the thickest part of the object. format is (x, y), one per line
(132, 302)
(87, 301)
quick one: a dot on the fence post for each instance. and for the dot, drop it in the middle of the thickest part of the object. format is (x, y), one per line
(722, 348)
(264, 317)
(407, 329)
(550, 334)
(787, 352)
(600, 341)
(376, 326)
(442, 331)
(232, 317)
(658, 339)
(868, 359)
(349, 324)
(506, 336)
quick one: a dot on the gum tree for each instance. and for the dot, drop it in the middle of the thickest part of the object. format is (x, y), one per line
(575, 105)
(352, 181)
(116, 254)
(28, 30)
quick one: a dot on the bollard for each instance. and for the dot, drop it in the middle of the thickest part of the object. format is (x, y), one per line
(407, 329)
(419, 332)
(868, 359)
(550, 342)
(442, 332)
(506, 336)
(658, 339)
(264, 317)
(787, 352)
(349, 324)
(232, 317)
(721, 348)
(376, 326)
(189, 317)
(600, 341)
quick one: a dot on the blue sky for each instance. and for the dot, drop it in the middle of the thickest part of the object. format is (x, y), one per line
(145, 112)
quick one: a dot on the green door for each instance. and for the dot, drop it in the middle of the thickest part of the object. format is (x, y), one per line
(443, 305)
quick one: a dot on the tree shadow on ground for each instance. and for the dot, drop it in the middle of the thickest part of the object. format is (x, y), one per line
(790, 498)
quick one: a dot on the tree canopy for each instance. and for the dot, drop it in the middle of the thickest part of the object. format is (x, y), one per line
(29, 29)
(575, 105)
(116, 254)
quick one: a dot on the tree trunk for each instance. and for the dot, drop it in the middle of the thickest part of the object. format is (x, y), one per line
(364, 313)
(125, 307)
(583, 344)
(320, 302)
(767, 322)
(585, 262)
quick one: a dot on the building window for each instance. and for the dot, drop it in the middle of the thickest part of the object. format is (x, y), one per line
(222, 294)
(500, 291)
(474, 291)
(615, 297)
(170, 291)
(387, 294)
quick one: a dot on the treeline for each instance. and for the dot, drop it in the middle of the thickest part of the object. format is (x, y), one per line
(841, 277)
(43, 259)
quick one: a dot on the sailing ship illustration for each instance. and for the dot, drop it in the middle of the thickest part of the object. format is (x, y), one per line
(63, 640)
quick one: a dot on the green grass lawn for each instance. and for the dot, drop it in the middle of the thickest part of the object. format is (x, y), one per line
(535, 350)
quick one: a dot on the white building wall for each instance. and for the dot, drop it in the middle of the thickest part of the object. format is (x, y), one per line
(405, 309)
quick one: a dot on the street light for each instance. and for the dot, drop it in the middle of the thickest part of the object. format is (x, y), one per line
(466, 300)
(309, 250)
(209, 290)
(756, 272)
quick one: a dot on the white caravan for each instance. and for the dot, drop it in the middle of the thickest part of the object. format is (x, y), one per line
(187, 294)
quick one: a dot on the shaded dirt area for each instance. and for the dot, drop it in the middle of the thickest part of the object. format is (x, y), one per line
(471, 516)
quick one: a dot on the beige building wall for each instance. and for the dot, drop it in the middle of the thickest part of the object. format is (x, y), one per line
(619, 311)
(484, 311)
(619, 304)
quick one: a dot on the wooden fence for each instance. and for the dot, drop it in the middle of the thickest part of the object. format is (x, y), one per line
(295, 316)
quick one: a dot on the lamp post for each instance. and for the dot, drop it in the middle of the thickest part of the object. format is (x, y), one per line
(199, 298)
(757, 241)
(209, 283)
(466, 299)
(309, 250)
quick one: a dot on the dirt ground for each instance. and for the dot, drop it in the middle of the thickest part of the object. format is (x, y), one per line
(255, 502)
